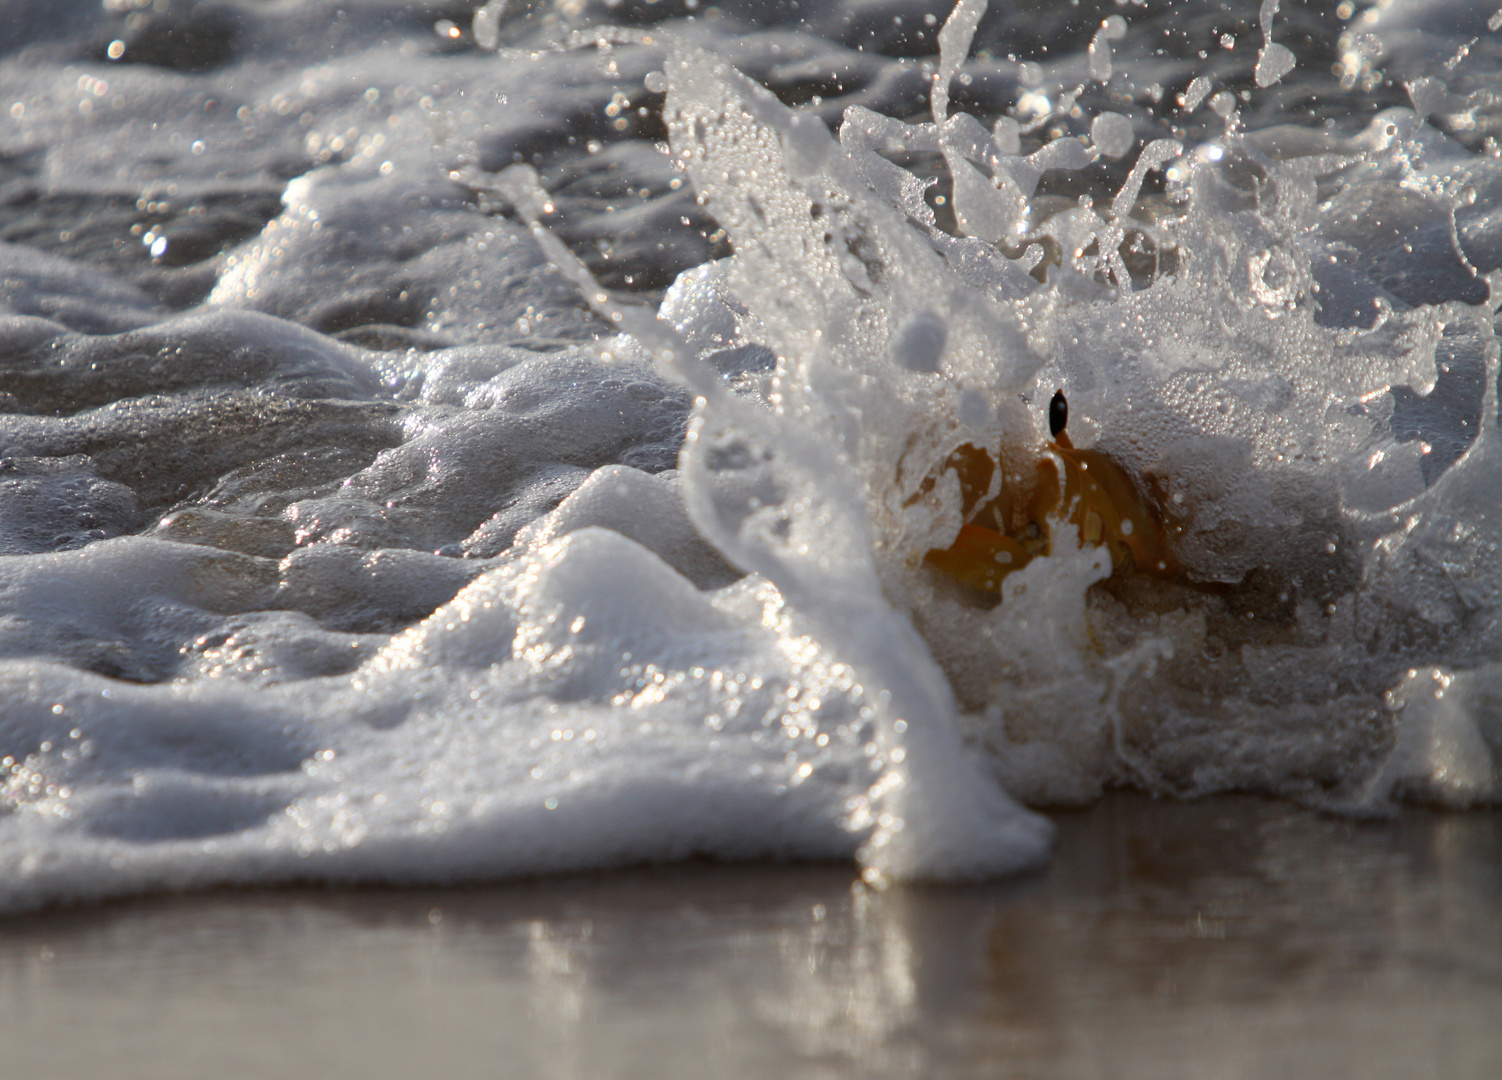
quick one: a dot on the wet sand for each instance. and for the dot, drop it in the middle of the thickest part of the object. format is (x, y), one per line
(1230, 938)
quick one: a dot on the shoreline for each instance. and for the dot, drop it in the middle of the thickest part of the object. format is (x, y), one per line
(1230, 937)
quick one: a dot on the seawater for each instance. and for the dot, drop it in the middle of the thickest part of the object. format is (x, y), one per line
(446, 441)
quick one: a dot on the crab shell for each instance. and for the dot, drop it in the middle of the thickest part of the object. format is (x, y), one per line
(1083, 488)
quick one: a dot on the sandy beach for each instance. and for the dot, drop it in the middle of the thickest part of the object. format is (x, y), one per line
(1229, 938)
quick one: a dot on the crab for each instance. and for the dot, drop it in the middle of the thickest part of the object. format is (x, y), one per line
(1084, 489)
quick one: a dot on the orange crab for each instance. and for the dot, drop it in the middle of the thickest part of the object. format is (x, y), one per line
(1082, 487)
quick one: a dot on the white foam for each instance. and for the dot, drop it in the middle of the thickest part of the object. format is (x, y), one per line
(738, 651)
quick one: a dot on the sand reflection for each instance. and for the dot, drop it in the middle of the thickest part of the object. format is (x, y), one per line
(1230, 938)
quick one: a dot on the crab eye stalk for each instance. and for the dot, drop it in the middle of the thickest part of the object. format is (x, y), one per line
(1058, 414)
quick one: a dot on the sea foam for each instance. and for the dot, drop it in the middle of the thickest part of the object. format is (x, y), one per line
(394, 543)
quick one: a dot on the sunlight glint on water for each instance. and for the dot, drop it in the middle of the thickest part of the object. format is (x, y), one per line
(285, 370)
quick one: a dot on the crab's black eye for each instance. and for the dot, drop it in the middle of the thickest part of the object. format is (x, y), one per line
(1058, 413)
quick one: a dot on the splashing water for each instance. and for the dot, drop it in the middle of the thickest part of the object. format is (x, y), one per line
(694, 611)
(1338, 548)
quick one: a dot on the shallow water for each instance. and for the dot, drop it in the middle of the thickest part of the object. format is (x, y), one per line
(438, 450)
(1233, 937)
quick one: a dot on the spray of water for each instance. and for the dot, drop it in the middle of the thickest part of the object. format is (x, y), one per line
(1251, 386)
